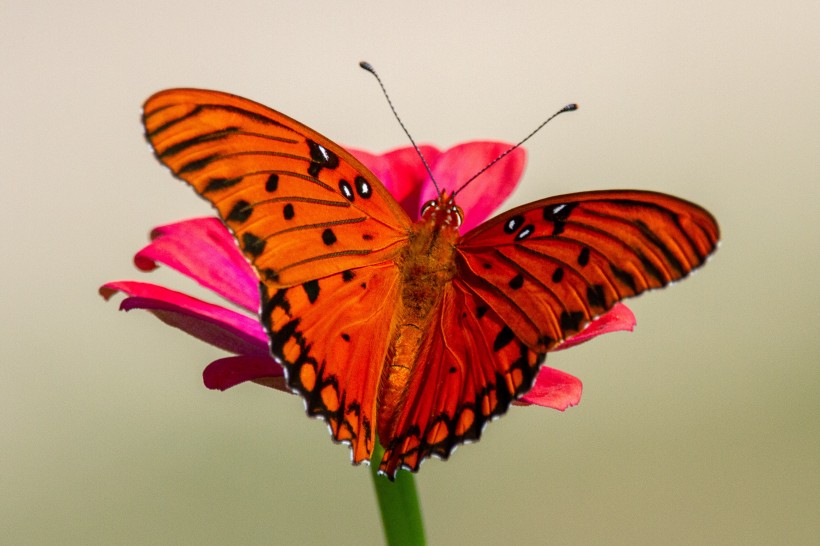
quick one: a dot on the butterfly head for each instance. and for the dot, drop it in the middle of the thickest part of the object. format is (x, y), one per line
(443, 211)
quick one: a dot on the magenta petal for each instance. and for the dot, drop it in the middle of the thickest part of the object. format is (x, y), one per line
(487, 192)
(402, 173)
(227, 372)
(618, 319)
(223, 328)
(203, 249)
(554, 389)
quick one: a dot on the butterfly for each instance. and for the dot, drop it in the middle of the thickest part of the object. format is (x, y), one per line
(410, 333)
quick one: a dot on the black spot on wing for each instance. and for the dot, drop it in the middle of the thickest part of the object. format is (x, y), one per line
(504, 338)
(217, 184)
(347, 190)
(517, 282)
(311, 290)
(571, 320)
(363, 187)
(512, 225)
(596, 296)
(252, 244)
(320, 158)
(240, 212)
(287, 211)
(583, 256)
(525, 232)
(558, 215)
(270, 275)
(272, 183)
(328, 237)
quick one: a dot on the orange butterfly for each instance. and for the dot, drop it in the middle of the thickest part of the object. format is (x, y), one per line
(410, 330)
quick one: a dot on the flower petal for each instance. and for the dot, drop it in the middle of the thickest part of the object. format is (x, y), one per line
(402, 173)
(223, 328)
(203, 249)
(486, 193)
(554, 389)
(227, 372)
(619, 318)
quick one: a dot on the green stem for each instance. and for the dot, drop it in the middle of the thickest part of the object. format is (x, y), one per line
(399, 505)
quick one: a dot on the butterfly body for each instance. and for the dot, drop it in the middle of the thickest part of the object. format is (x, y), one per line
(427, 267)
(411, 330)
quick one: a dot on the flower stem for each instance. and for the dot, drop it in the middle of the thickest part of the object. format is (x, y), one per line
(398, 503)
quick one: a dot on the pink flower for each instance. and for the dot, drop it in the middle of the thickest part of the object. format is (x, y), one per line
(204, 250)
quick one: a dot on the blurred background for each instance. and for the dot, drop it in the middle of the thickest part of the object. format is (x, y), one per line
(702, 426)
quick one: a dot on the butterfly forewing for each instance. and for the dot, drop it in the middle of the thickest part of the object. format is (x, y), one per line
(300, 206)
(548, 268)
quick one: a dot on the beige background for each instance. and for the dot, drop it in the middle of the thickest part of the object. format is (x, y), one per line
(700, 427)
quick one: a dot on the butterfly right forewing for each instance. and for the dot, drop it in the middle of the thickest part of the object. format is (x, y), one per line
(548, 268)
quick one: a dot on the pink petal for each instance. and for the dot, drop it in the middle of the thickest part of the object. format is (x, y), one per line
(227, 372)
(402, 173)
(619, 318)
(203, 249)
(486, 193)
(218, 326)
(554, 389)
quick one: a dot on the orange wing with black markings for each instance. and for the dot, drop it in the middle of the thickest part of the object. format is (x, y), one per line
(300, 206)
(470, 369)
(549, 267)
(365, 339)
(319, 228)
(527, 280)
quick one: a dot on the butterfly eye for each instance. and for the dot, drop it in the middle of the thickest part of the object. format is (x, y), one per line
(428, 207)
(454, 216)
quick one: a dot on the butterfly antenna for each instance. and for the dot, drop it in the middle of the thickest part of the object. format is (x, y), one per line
(567, 108)
(367, 66)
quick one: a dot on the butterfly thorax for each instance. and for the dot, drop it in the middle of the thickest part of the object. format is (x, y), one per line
(427, 266)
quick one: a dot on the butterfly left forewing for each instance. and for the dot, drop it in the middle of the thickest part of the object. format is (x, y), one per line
(548, 268)
(299, 204)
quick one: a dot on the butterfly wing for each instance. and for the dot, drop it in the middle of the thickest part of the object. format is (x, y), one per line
(321, 231)
(527, 280)
(548, 268)
(300, 206)
(470, 368)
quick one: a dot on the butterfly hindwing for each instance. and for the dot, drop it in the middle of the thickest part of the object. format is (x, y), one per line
(470, 369)
(548, 268)
(332, 335)
(301, 207)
